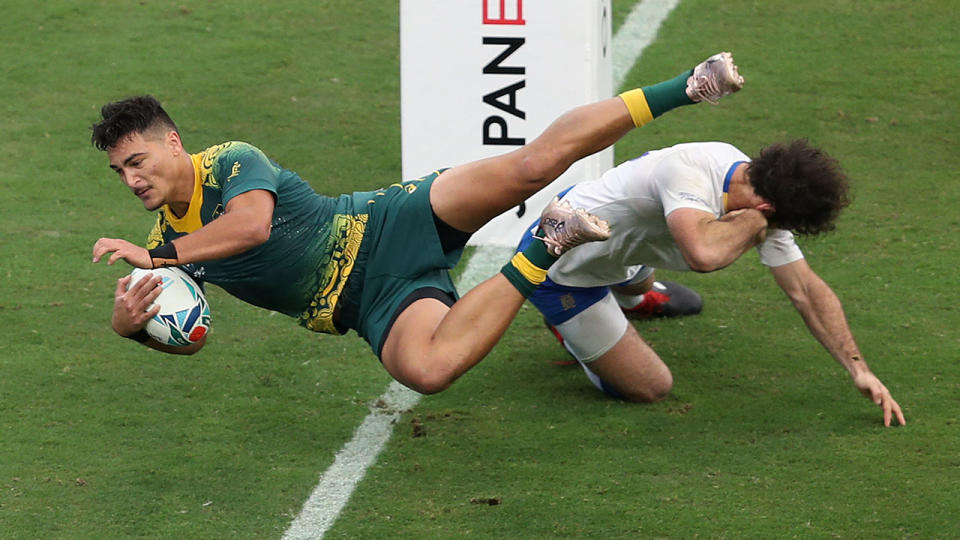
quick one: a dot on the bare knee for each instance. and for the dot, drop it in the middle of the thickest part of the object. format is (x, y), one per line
(650, 389)
(426, 377)
(429, 385)
(541, 165)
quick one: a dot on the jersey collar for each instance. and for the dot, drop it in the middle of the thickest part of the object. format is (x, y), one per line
(191, 220)
(726, 181)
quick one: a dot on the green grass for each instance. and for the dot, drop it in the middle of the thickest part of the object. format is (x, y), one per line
(763, 435)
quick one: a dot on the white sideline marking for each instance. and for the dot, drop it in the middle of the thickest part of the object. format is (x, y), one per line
(638, 31)
(351, 462)
(337, 483)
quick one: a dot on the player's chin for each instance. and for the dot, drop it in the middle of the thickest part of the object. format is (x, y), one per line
(151, 205)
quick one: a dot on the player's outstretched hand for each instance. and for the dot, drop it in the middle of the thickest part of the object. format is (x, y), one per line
(121, 249)
(870, 386)
(130, 313)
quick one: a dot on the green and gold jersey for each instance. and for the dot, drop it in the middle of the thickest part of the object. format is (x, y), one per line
(301, 270)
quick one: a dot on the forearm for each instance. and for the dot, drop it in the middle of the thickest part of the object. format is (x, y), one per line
(226, 236)
(727, 240)
(244, 225)
(823, 314)
(710, 244)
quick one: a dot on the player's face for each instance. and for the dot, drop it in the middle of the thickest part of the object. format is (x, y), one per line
(146, 166)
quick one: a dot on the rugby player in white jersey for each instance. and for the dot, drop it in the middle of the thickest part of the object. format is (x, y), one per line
(697, 206)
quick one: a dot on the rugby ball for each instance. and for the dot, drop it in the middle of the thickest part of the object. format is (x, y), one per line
(184, 316)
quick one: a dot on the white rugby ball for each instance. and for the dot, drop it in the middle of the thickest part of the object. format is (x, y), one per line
(184, 316)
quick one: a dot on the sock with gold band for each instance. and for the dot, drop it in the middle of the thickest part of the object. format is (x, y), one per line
(649, 102)
(528, 268)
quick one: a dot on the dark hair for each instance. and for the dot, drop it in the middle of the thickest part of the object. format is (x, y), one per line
(807, 187)
(137, 114)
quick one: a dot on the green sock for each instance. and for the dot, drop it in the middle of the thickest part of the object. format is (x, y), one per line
(666, 95)
(527, 269)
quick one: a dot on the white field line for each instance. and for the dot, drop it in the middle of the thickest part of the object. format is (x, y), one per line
(337, 483)
(351, 462)
(638, 31)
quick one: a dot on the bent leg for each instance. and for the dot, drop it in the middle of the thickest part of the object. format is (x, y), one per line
(633, 369)
(431, 345)
(613, 354)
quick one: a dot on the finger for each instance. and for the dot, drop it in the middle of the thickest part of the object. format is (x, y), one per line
(101, 248)
(886, 413)
(155, 291)
(898, 412)
(114, 258)
(148, 292)
(122, 285)
(143, 285)
(97, 253)
(96, 249)
(146, 315)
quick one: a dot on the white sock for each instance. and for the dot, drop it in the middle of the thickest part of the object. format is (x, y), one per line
(628, 300)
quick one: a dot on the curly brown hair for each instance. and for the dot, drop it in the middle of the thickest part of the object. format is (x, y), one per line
(136, 114)
(807, 187)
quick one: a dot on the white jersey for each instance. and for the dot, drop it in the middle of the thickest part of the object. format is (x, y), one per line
(636, 197)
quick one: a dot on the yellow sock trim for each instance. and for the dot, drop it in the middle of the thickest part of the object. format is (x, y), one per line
(532, 273)
(636, 103)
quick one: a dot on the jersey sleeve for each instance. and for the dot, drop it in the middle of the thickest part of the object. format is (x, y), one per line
(683, 186)
(245, 168)
(779, 248)
(155, 238)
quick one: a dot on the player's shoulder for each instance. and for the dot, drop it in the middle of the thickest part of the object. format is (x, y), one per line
(712, 158)
(223, 162)
(715, 149)
(231, 149)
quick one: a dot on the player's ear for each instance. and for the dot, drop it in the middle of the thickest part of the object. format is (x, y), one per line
(173, 142)
(766, 208)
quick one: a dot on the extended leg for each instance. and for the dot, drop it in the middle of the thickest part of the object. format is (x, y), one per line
(468, 196)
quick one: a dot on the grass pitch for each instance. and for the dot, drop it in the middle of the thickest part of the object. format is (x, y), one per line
(763, 436)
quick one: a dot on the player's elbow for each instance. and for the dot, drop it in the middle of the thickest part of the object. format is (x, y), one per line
(261, 233)
(703, 260)
(256, 233)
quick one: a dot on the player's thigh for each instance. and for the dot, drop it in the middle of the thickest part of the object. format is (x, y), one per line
(406, 352)
(468, 196)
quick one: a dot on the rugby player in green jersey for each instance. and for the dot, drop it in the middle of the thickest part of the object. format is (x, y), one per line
(376, 262)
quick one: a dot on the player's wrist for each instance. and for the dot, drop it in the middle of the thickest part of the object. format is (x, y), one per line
(163, 255)
(140, 336)
(856, 366)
